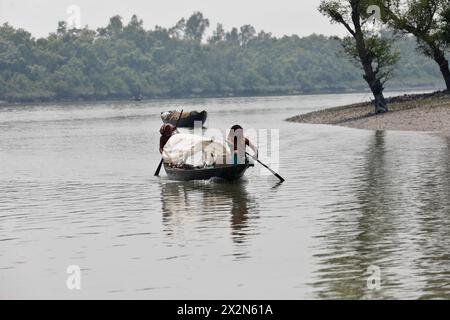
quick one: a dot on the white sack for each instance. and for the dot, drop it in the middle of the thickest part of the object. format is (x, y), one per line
(193, 150)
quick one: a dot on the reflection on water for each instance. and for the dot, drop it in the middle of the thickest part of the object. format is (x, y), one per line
(391, 225)
(434, 226)
(353, 241)
(209, 201)
(77, 188)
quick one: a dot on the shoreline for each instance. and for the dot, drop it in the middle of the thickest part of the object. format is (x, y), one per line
(428, 112)
(4, 103)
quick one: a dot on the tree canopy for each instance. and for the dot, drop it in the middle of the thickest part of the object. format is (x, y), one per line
(123, 59)
(428, 21)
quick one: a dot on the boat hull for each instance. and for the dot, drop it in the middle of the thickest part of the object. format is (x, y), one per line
(188, 122)
(227, 172)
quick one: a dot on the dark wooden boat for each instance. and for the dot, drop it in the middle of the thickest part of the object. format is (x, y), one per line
(227, 172)
(187, 119)
(137, 98)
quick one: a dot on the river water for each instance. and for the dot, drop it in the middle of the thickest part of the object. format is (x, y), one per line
(362, 214)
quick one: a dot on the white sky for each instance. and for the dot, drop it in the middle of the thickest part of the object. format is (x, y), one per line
(277, 16)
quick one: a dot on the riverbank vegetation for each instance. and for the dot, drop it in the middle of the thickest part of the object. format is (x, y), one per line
(427, 21)
(124, 60)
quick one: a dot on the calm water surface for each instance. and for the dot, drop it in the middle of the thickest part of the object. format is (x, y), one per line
(77, 188)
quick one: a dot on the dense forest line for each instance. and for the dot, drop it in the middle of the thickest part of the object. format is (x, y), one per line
(123, 60)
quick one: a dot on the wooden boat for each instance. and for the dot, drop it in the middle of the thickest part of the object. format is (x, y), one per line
(187, 119)
(226, 171)
(137, 98)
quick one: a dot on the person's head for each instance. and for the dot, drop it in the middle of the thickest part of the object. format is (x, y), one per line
(167, 129)
(236, 132)
(236, 127)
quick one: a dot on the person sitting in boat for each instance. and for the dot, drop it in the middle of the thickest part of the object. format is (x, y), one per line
(238, 143)
(167, 130)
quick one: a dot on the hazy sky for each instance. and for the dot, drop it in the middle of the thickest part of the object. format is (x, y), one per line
(277, 16)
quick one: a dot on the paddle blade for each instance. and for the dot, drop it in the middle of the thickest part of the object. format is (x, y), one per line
(279, 177)
(267, 167)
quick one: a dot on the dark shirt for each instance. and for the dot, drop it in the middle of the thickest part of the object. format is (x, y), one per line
(162, 142)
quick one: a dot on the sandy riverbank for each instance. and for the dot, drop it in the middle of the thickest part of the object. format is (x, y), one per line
(422, 112)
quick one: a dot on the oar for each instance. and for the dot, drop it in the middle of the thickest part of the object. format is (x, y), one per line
(161, 162)
(267, 167)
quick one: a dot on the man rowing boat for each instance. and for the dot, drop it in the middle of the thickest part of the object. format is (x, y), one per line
(238, 143)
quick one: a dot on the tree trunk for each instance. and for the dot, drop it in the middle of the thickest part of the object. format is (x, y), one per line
(376, 87)
(366, 58)
(439, 57)
(380, 103)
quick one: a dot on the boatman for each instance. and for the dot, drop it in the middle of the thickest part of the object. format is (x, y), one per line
(238, 143)
(167, 130)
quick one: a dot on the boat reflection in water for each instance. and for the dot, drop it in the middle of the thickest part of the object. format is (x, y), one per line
(195, 208)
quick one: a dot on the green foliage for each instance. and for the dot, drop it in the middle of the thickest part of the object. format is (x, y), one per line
(446, 26)
(427, 20)
(195, 27)
(372, 52)
(383, 55)
(369, 50)
(123, 60)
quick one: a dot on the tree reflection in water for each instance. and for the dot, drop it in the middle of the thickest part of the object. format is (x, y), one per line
(395, 217)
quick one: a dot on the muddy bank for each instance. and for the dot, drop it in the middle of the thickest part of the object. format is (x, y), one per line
(420, 112)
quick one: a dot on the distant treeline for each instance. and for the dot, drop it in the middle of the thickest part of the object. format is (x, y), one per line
(122, 61)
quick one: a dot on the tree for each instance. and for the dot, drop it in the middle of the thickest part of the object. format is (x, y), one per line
(115, 26)
(232, 36)
(218, 35)
(135, 24)
(178, 30)
(247, 33)
(446, 29)
(62, 28)
(428, 21)
(122, 60)
(373, 54)
(196, 26)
